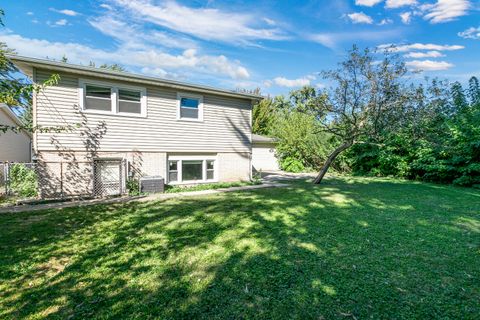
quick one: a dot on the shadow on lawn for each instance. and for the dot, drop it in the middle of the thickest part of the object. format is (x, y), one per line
(340, 249)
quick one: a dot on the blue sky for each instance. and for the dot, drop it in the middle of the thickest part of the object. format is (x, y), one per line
(275, 45)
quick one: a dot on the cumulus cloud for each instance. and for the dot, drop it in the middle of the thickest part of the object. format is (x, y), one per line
(203, 23)
(189, 60)
(367, 3)
(360, 17)
(385, 22)
(61, 22)
(428, 54)
(470, 33)
(392, 4)
(66, 12)
(428, 65)
(291, 83)
(406, 17)
(445, 10)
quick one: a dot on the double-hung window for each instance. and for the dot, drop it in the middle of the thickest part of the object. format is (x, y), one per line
(129, 101)
(190, 107)
(191, 169)
(99, 97)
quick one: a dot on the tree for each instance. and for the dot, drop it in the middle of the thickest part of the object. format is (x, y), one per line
(367, 98)
(18, 92)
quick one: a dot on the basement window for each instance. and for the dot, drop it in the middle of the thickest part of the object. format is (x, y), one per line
(191, 169)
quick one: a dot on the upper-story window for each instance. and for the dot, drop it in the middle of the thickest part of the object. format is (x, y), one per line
(98, 98)
(129, 101)
(107, 98)
(190, 107)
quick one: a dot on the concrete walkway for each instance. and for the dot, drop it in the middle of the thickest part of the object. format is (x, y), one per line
(151, 197)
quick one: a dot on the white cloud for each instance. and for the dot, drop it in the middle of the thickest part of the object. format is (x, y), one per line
(367, 3)
(334, 39)
(360, 17)
(106, 6)
(421, 46)
(428, 65)
(189, 60)
(428, 54)
(29, 13)
(406, 17)
(61, 22)
(385, 22)
(392, 4)
(66, 12)
(291, 83)
(132, 35)
(445, 10)
(204, 23)
(470, 33)
(270, 22)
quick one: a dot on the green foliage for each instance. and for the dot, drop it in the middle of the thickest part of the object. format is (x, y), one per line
(263, 116)
(23, 180)
(291, 165)
(438, 139)
(17, 91)
(133, 187)
(210, 186)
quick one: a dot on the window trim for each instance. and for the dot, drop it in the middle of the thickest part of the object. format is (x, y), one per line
(199, 97)
(114, 98)
(203, 158)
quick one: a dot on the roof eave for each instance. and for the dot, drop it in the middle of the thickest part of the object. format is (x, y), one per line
(23, 63)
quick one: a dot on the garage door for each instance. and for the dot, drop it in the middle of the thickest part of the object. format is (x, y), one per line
(263, 158)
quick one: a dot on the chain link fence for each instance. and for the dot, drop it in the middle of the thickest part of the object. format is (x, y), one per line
(63, 180)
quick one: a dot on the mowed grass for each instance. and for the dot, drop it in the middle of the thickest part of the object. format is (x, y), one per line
(351, 248)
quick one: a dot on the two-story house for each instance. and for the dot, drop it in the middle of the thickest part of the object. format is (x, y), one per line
(99, 127)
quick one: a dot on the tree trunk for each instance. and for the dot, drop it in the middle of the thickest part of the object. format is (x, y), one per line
(330, 159)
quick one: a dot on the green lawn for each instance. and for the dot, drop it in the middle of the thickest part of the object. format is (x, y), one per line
(352, 248)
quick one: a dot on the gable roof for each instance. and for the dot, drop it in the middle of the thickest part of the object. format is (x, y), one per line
(26, 64)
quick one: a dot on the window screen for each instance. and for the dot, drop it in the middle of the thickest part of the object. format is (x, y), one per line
(192, 170)
(173, 171)
(189, 108)
(98, 98)
(210, 169)
(129, 101)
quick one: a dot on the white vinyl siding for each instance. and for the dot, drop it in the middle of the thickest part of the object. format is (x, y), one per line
(225, 127)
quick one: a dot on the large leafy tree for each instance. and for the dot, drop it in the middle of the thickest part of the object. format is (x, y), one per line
(18, 92)
(367, 97)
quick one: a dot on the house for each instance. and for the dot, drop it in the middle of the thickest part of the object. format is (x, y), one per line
(14, 146)
(263, 154)
(111, 126)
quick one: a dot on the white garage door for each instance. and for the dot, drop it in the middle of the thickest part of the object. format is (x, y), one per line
(263, 158)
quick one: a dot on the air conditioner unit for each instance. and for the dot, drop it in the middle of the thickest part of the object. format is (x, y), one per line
(152, 184)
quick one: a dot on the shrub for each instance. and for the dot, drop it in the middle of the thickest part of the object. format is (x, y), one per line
(23, 180)
(133, 187)
(292, 165)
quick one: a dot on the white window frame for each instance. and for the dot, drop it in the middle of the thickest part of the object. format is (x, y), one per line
(114, 98)
(203, 158)
(198, 97)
